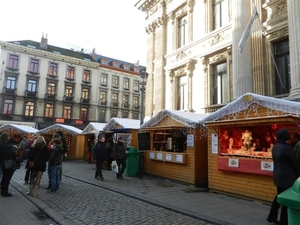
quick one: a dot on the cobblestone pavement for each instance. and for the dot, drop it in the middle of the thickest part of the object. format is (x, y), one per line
(85, 203)
(136, 200)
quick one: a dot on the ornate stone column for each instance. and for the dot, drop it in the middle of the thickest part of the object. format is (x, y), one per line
(190, 4)
(294, 41)
(189, 72)
(242, 63)
(172, 88)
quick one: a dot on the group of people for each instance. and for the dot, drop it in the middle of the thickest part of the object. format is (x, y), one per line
(103, 150)
(285, 172)
(38, 152)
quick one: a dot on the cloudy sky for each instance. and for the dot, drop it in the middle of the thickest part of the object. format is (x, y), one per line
(116, 28)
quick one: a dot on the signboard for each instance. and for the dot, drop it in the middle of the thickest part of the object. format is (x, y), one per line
(144, 141)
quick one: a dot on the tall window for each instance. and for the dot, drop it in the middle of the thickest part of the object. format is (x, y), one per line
(136, 85)
(34, 65)
(135, 116)
(182, 31)
(29, 109)
(31, 85)
(51, 88)
(67, 112)
(53, 68)
(102, 97)
(49, 110)
(83, 114)
(69, 91)
(86, 76)
(114, 97)
(114, 113)
(71, 72)
(126, 84)
(125, 114)
(182, 100)
(10, 83)
(13, 61)
(220, 87)
(85, 93)
(102, 116)
(282, 59)
(103, 79)
(220, 13)
(115, 82)
(136, 102)
(8, 106)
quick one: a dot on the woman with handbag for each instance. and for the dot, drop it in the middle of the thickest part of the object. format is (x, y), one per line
(38, 155)
(10, 164)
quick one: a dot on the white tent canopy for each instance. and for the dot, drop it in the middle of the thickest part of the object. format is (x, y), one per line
(122, 123)
(93, 128)
(186, 118)
(64, 128)
(18, 128)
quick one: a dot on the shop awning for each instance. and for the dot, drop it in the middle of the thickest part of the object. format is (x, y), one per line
(93, 128)
(14, 128)
(67, 129)
(187, 119)
(122, 124)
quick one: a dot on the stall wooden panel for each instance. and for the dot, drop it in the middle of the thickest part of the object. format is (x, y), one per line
(134, 138)
(77, 147)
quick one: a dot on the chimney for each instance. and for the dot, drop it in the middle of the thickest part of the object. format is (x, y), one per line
(44, 43)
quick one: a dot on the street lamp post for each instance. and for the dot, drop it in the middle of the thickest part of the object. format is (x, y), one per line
(143, 81)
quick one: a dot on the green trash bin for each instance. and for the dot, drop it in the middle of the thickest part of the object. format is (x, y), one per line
(132, 162)
(291, 199)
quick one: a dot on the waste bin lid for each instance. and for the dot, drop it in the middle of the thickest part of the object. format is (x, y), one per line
(131, 149)
(291, 197)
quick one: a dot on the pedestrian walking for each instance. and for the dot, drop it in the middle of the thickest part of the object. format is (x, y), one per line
(10, 164)
(119, 154)
(3, 140)
(100, 155)
(286, 171)
(56, 159)
(39, 155)
(22, 145)
(27, 148)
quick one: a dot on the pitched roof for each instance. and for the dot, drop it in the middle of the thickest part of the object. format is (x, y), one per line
(186, 118)
(276, 106)
(56, 127)
(18, 128)
(93, 128)
(123, 123)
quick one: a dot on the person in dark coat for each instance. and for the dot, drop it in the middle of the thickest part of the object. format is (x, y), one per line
(38, 154)
(100, 155)
(3, 140)
(119, 154)
(10, 152)
(56, 158)
(286, 171)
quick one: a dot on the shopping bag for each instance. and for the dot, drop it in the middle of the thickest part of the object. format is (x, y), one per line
(10, 165)
(114, 167)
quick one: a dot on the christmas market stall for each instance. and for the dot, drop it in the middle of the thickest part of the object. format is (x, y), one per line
(176, 149)
(74, 139)
(91, 132)
(125, 128)
(241, 136)
(18, 132)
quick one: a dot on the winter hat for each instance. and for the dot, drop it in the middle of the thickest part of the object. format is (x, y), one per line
(11, 140)
(101, 136)
(282, 135)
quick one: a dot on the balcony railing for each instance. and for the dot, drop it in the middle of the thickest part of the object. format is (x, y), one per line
(50, 96)
(68, 98)
(103, 102)
(115, 104)
(212, 108)
(30, 93)
(33, 73)
(126, 105)
(9, 91)
(85, 100)
(136, 107)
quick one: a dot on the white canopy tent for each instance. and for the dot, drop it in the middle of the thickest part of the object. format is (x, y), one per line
(122, 123)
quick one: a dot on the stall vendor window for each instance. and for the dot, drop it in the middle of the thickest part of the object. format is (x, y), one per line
(169, 140)
(249, 141)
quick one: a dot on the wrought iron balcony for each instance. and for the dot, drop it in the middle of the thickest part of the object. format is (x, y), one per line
(68, 98)
(30, 93)
(115, 104)
(9, 91)
(85, 100)
(126, 105)
(50, 96)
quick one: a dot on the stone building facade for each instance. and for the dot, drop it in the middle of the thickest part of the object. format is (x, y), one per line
(43, 84)
(194, 59)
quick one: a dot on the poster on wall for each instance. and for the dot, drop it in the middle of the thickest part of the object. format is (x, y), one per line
(190, 140)
(214, 143)
(265, 165)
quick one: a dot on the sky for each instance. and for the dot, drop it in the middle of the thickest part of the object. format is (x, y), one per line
(115, 28)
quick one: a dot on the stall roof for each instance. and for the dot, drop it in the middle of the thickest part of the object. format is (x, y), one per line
(186, 118)
(122, 123)
(56, 127)
(93, 128)
(18, 128)
(275, 107)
